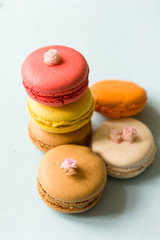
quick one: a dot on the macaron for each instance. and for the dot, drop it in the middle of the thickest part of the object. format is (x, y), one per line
(117, 99)
(55, 75)
(62, 119)
(71, 178)
(45, 141)
(126, 145)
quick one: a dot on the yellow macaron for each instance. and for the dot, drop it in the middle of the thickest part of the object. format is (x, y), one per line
(62, 119)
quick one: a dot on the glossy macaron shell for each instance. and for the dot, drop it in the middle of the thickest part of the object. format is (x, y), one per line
(89, 181)
(55, 84)
(115, 98)
(62, 119)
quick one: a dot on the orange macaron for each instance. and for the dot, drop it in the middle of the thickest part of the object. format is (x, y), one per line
(117, 99)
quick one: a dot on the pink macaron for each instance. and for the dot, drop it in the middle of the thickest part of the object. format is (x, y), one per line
(55, 75)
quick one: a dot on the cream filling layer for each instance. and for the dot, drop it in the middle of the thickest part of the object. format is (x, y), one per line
(66, 205)
(131, 171)
(77, 123)
(120, 108)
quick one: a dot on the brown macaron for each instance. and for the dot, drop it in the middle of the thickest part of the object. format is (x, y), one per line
(45, 141)
(71, 178)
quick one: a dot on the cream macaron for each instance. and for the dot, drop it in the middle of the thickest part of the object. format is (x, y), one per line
(71, 178)
(126, 146)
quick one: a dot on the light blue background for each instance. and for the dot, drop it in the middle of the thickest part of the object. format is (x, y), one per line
(120, 39)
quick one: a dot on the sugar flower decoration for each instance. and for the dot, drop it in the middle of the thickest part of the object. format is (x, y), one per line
(116, 135)
(129, 134)
(69, 166)
(52, 57)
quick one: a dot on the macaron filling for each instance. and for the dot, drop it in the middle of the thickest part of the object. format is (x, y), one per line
(131, 171)
(74, 206)
(64, 126)
(119, 111)
(56, 98)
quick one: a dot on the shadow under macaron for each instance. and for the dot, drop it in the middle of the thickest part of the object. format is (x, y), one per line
(151, 117)
(112, 202)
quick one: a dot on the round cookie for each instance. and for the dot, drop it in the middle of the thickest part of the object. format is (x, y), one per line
(62, 119)
(117, 99)
(124, 159)
(58, 84)
(74, 189)
(45, 141)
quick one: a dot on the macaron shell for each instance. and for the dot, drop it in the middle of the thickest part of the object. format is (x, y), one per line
(89, 181)
(61, 78)
(125, 154)
(62, 119)
(45, 140)
(117, 99)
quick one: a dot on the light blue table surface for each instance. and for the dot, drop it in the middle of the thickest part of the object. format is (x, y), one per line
(120, 40)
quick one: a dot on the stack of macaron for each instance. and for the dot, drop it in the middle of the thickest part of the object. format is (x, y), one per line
(59, 102)
(71, 178)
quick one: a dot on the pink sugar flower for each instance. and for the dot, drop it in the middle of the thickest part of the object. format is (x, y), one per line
(52, 57)
(129, 134)
(116, 135)
(69, 166)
